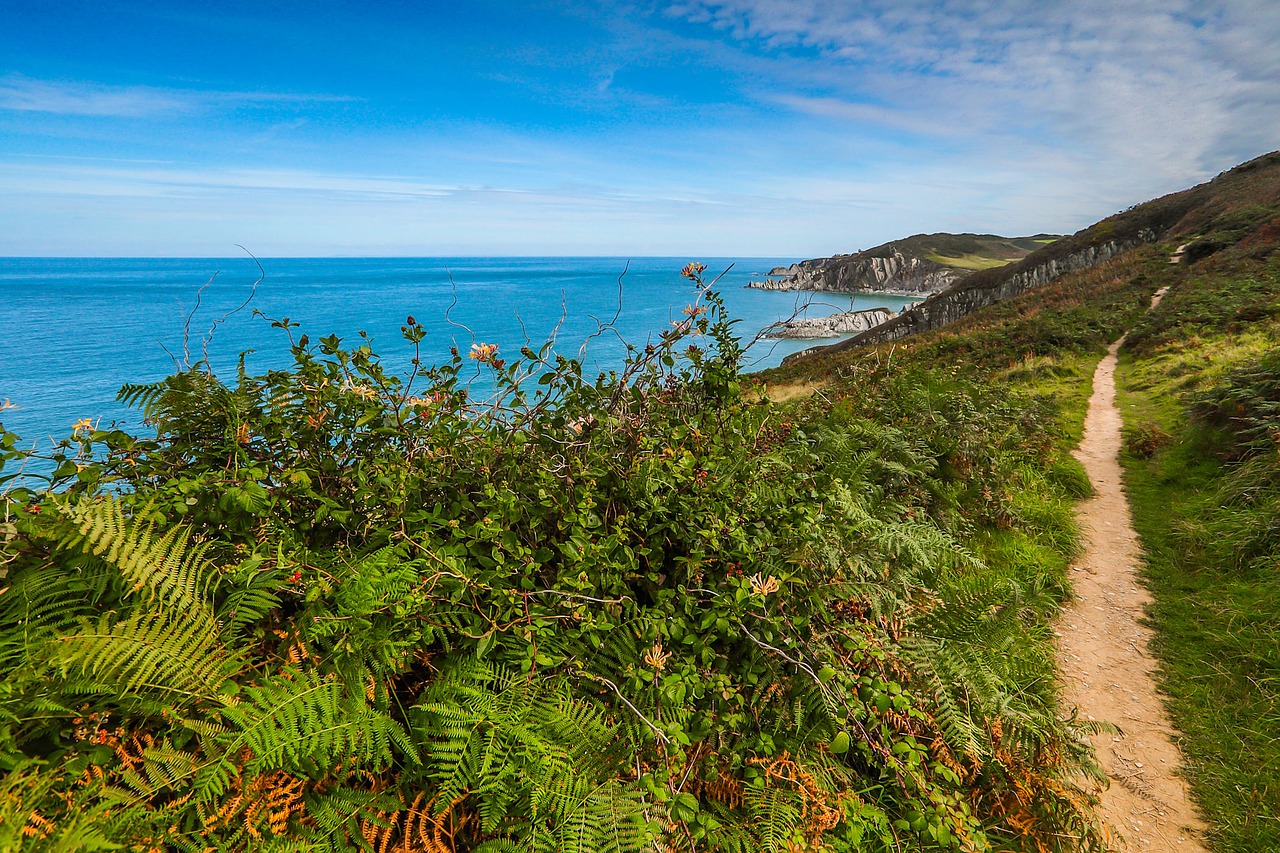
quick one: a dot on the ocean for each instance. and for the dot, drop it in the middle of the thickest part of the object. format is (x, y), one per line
(73, 330)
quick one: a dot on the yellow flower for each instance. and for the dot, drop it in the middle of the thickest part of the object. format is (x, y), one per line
(82, 425)
(656, 658)
(693, 269)
(364, 392)
(483, 353)
(762, 585)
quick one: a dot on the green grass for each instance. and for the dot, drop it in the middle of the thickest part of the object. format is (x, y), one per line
(970, 262)
(1204, 484)
(1207, 513)
(1066, 379)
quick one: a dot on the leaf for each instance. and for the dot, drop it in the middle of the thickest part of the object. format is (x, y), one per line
(840, 743)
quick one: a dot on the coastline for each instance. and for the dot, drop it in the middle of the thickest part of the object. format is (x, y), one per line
(897, 294)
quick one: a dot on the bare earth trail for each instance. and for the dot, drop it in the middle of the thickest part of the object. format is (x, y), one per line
(1103, 652)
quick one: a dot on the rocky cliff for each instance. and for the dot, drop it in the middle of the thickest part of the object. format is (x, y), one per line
(919, 265)
(980, 290)
(844, 323)
(895, 273)
(1201, 219)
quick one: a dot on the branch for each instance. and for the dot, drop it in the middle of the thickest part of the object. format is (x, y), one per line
(253, 291)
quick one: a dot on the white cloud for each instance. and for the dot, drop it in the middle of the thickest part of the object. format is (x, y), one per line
(25, 94)
(1172, 88)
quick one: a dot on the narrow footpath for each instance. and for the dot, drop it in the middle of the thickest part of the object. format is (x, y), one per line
(1103, 652)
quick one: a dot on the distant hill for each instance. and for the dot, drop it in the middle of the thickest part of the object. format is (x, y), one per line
(922, 264)
(1201, 220)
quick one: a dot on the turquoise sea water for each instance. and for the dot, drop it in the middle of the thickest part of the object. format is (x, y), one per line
(73, 330)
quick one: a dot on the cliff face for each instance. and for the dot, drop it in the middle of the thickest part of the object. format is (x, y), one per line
(895, 273)
(978, 291)
(844, 323)
(1202, 219)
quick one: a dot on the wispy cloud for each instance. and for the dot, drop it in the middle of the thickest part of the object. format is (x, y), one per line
(85, 98)
(876, 115)
(1169, 86)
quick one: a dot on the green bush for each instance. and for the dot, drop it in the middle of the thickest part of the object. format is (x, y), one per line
(332, 608)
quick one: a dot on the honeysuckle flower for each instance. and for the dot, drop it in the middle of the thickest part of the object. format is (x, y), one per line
(82, 425)
(762, 585)
(364, 392)
(693, 269)
(656, 658)
(483, 353)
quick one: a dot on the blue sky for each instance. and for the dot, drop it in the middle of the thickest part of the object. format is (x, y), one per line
(789, 128)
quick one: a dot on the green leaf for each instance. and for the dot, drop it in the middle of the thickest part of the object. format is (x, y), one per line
(840, 743)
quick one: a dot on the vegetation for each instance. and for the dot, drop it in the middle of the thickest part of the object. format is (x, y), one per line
(331, 608)
(962, 251)
(1201, 397)
(1201, 385)
(343, 607)
(968, 262)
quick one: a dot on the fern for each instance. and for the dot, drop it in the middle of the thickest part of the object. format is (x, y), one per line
(517, 748)
(168, 568)
(170, 655)
(298, 722)
(164, 644)
(146, 395)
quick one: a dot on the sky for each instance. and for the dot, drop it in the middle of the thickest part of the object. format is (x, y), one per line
(780, 128)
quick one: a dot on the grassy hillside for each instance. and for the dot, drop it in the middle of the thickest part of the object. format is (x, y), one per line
(1205, 217)
(1201, 394)
(1201, 398)
(962, 251)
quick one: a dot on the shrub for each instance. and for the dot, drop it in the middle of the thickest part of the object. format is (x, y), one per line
(1144, 439)
(335, 608)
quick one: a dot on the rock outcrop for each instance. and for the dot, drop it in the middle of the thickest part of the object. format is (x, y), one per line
(1202, 215)
(979, 290)
(893, 273)
(844, 323)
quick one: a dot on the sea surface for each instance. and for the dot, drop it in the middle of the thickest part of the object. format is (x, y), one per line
(73, 330)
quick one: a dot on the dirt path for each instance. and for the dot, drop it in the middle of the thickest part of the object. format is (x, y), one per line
(1103, 656)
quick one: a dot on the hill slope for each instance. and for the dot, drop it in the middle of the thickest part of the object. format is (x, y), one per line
(1205, 217)
(916, 265)
(1200, 393)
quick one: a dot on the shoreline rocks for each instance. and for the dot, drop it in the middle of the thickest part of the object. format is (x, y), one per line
(843, 323)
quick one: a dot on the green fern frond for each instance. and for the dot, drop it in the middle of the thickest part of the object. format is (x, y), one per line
(519, 748)
(145, 395)
(168, 568)
(297, 720)
(775, 816)
(175, 656)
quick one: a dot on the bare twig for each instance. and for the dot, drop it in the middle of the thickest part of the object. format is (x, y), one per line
(611, 326)
(658, 733)
(454, 286)
(186, 325)
(253, 291)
